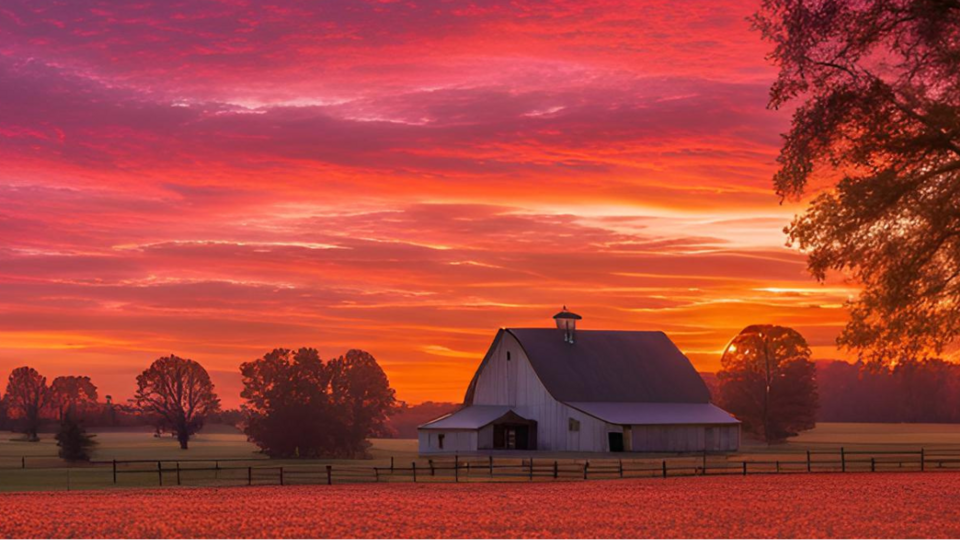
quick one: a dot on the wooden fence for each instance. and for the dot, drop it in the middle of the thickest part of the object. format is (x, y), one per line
(263, 471)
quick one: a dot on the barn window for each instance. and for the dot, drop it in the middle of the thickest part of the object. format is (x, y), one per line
(573, 425)
(508, 356)
(440, 440)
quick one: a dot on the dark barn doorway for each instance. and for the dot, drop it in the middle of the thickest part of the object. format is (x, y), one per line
(513, 432)
(616, 441)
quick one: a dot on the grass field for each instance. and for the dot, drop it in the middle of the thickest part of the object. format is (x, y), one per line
(46, 472)
(883, 505)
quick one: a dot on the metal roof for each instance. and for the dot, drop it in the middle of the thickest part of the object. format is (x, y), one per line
(656, 413)
(473, 417)
(606, 366)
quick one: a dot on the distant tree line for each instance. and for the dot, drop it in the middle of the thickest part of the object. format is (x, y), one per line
(296, 405)
(916, 391)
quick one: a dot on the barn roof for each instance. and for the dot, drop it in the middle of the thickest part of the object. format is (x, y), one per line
(473, 417)
(649, 414)
(606, 366)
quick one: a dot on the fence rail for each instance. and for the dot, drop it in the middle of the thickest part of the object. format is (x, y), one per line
(263, 471)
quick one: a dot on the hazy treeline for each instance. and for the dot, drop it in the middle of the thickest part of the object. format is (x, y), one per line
(921, 392)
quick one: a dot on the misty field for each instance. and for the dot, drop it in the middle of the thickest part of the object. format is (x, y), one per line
(45, 472)
(819, 505)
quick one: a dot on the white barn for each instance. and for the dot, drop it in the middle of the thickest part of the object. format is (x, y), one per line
(583, 391)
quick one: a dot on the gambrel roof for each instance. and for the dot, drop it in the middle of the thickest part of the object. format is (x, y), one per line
(606, 367)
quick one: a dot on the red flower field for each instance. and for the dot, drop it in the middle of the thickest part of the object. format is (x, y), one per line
(830, 505)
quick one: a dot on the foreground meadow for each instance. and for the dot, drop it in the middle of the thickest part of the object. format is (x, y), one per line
(885, 505)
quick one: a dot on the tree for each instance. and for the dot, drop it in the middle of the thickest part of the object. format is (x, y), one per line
(768, 382)
(878, 86)
(360, 391)
(27, 395)
(76, 393)
(179, 392)
(72, 438)
(297, 406)
(288, 408)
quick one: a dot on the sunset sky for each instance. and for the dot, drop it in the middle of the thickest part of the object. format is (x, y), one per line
(216, 179)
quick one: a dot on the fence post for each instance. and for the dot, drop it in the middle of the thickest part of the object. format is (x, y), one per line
(391, 465)
(414, 471)
(23, 462)
(490, 458)
(281, 476)
(744, 468)
(808, 461)
(531, 469)
(160, 472)
(433, 471)
(586, 465)
(249, 476)
(704, 460)
(923, 456)
(778, 466)
(216, 470)
(873, 464)
(114, 471)
(621, 467)
(456, 468)
(843, 460)
(376, 472)
(329, 475)
(556, 470)
(178, 473)
(664, 468)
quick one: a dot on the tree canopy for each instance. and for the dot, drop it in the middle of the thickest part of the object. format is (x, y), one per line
(27, 395)
(876, 132)
(72, 393)
(299, 406)
(179, 393)
(768, 382)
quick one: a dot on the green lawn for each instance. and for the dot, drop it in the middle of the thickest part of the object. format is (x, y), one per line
(47, 472)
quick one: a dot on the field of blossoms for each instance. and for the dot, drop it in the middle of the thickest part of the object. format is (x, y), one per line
(888, 505)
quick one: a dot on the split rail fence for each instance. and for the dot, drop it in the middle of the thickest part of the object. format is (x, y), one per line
(201, 472)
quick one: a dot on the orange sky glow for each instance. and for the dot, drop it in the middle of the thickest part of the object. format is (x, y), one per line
(216, 179)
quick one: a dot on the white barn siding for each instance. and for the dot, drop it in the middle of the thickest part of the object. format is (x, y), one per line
(453, 441)
(668, 438)
(514, 383)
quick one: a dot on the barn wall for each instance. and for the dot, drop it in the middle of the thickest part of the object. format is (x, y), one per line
(685, 438)
(515, 383)
(453, 441)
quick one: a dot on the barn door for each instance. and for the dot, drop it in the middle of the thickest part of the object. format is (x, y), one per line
(615, 440)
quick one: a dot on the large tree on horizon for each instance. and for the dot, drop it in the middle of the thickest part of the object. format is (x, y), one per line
(768, 382)
(875, 136)
(27, 396)
(179, 392)
(299, 406)
(73, 394)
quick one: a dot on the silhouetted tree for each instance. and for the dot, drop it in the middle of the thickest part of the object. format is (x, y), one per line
(878, 85)
(297, 406)
(178, 391)
(71, 392)
(27, 395)
(768, 382)
(361, 393)
(73, 440)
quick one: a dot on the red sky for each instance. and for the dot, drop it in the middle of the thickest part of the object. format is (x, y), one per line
(216, 179)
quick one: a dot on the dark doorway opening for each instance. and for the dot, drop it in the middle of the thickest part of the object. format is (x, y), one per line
(514, 432)
(512, 437)
(616, 442)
